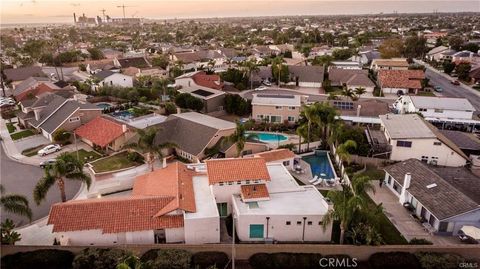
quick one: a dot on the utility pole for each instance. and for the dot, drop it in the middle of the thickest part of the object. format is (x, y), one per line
(123, 7)
(103, 12)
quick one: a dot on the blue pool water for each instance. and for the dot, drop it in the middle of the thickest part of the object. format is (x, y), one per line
(103, 105)
(123, 115)
(320, 165)
(270, 137)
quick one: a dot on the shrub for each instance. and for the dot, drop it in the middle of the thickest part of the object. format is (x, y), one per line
(393, 260)
(203, 260)
(431, 260)
(420, 241)
(260, 261)
(170, 108)
(134, 157)
(167, 258)
(285, 260)
(61, 136)
(186, 100)
(99, 258)
(39, 259)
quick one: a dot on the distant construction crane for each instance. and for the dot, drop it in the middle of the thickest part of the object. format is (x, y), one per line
(123, 7)
(103, 12)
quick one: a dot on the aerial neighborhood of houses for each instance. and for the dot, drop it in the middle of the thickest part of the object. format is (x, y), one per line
(161, 132)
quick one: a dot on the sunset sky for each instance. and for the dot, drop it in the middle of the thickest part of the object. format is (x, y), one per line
(40, 11)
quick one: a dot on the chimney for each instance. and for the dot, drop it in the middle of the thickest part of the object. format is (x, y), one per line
(74, 18)
(164, 162)
(406, 185)
(124, 128)
(359, 107)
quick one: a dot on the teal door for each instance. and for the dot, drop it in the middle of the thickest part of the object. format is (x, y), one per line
(222, 209)
(256, 230)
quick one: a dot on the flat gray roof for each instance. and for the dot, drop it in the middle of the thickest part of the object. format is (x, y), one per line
(206, 120)
(406, 126)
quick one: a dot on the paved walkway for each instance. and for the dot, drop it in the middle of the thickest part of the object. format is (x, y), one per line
(402, 219)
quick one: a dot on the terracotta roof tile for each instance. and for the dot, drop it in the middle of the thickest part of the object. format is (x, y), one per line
(173, 181)
(410, 79)
(255, 191)
(100, 131)
(113, 215)
(225, 170)
(275, 155)
(209, 81)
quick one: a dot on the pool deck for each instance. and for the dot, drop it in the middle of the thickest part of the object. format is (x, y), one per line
(307, 175)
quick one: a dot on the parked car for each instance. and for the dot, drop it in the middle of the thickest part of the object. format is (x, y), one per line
(47, 163)
(455, 82)
(267, 83)
(438, 89)
(49, 149)
(261, 88)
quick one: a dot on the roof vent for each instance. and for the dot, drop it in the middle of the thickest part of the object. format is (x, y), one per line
(431, 185)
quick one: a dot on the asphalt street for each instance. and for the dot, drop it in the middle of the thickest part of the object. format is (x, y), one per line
(21, 178)
(450, 90)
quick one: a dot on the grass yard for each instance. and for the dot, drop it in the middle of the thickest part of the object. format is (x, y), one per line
(22, 134)
(11, 128)
(86, 156)
(374, 173)
(32, 151)
(114, 162)
(425, 94)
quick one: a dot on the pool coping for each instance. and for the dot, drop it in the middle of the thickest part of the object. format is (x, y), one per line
(328, 157)
(291, 139)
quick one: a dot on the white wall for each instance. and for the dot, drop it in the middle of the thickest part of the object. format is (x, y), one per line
(405, 105)
(279, 230)
(202, 230)
(90, 238)
(175, 235)
(140, 237)
(117, 80)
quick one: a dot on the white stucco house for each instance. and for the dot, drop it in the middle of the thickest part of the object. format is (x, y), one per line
(444, 197)
(183, 203)
(109, 78)
(277, 108)
(437, 107)
(410, 136)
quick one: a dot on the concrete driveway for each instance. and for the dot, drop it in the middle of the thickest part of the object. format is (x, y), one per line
(31, 142)
(21, 179)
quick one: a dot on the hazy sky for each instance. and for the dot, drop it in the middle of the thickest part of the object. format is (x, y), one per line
(31, 11)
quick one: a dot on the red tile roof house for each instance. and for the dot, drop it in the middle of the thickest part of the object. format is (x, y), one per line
(184, 203)
(400, 81)
(105, 133)
(203, 86)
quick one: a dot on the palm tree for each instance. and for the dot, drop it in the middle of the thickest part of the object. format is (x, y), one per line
(302, 132)
(15, 203)
(146, 144)
(310, 114)
(66, 166)
(250, 67)
(327, 118)
(8, 234)
(359, 91)
(240, 137)
(131, 262)
(348, 203)
(348, 92)
(344, 149)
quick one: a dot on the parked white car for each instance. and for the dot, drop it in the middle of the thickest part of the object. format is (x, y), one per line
(267, 83)
(261, 88)
(49, 149)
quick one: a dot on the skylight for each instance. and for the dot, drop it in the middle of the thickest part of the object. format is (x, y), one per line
(431, 185)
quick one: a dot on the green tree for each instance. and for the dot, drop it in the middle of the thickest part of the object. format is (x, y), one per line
(9, 236)
(131, 262)
(344, 150)
(342, 54)
(147, 145)
(160, 61)
(170, 108)
(250, 67)
(65, 167)
(327, 118)
(324, 60)
(455, 42)
(95, 53)
(61, 136)
(448, 67)
(240, 137)
(347, 92)
(415, 47)
(360, 91)
(471, 47)
(463, 71)
(15, 203)
(391, 48)
(280, 71)
(348, 204)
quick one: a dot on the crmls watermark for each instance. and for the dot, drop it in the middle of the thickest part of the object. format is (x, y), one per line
(336, 262)
(468, 265)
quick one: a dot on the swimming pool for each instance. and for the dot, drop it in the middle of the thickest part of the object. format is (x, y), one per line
(103, 105)
(269, 137)
(320, 164)
(123, 115)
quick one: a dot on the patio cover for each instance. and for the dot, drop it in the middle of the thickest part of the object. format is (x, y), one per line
(471, 231)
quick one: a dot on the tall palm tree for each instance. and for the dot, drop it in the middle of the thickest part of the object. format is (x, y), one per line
(302, 133)
(148, 147)
(348, 92)
(311, 115)
(359, 91)
(326, 118)
(66, 166)
(348, 203)
(343, 150)
(15, 203)
(250, 67)
(240, 137)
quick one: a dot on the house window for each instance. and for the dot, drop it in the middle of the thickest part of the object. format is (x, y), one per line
(247, 181)
(256, 230)
(256, 181)
(422, 109)
(320, 223)
(279, 107)
(424, 158)
(239, 182)
(438, 110)
(260, 117)
(309, 223)
(437, 143)
(274, 119)
(230, 183)
(286, 163)
(405, 144)
(74, 119)
(291, 118)
(299, 223)
(443, 226)
(291, 108)
(288, 223)
(221, 183)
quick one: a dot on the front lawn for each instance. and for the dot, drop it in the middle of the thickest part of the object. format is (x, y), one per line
(86, 156)
(22, 134)
(11, 128)
(426, 94)
(114, 162)
(32, 151)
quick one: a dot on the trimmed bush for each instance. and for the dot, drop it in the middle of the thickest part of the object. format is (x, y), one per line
(167, 258)
(394, 260)
(203, 260)
(432, 260)
(283, 260)
(39, 259)
(419, 241)
(99, 258)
